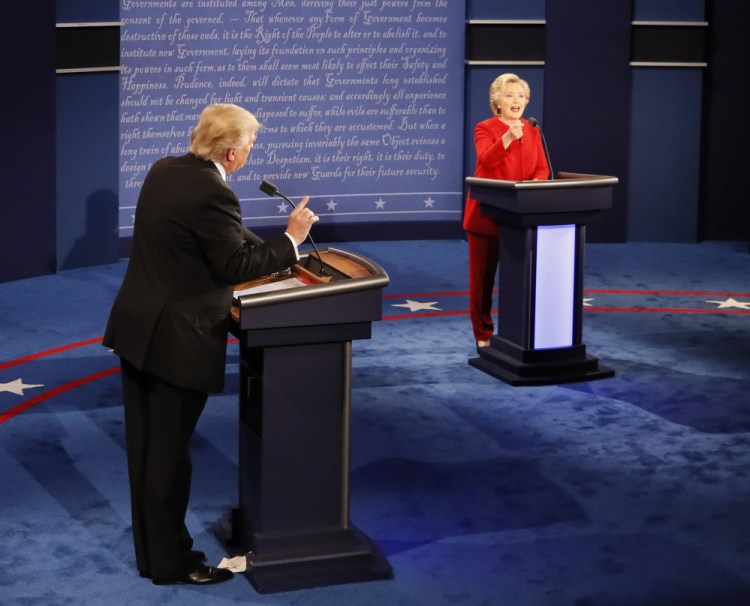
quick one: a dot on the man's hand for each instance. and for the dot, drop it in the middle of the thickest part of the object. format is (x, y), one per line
(300, 221)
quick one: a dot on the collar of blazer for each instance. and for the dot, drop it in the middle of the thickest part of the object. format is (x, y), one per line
(221, 169)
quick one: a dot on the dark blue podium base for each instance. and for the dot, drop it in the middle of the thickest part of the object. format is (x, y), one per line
(339, 557)
(515, 366)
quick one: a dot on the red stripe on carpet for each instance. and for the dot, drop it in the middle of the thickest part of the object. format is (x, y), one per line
(670, 310)
(610, 291)
(430, 315)
(23, 406)
(668, 292)
(49, 352)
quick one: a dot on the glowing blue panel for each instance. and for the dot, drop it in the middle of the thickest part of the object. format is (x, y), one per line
(555, 286)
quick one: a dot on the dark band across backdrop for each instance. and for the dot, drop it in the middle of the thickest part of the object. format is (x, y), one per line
(361, 101)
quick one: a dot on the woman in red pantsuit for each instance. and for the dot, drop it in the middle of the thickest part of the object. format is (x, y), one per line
(508, 148)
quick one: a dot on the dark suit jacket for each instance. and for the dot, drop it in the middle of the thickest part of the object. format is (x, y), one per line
(171, 316)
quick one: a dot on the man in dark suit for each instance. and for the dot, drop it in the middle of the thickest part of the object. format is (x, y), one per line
(169, 325)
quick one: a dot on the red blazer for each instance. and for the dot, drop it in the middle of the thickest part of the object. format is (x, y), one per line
(171, 316)
(520, 162)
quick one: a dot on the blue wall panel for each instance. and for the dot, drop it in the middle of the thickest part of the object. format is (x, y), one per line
(505, 10)
(665, 133)
(87, 178)
(665, 138)
(669, 10)
(86, 11)
(87, 131)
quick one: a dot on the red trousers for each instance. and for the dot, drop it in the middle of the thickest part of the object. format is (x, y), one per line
(484, 254)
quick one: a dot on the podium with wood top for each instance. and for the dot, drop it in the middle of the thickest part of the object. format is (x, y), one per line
(542, 240)
(296, 334)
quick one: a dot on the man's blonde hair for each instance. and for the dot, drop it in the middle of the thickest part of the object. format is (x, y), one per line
(222, 126)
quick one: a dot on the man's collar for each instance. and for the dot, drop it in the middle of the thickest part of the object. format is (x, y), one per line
(221, 169)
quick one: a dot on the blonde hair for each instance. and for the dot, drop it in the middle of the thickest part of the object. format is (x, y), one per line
(498, 87)
(222, 126)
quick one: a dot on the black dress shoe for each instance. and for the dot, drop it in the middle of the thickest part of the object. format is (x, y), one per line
(201, 575)
(194, 557)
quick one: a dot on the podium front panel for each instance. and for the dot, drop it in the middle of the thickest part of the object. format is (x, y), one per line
(554, 293)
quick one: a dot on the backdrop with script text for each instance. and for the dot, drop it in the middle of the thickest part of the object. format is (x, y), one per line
(361, 101)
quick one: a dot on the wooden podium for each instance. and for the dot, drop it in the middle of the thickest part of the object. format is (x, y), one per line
(292, 521)
(542, 242)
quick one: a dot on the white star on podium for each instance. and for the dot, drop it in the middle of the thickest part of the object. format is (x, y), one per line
(282, 207)
(429, 202)
(418, 306)
(380, 203)
(730, 302)
(331, 205)
(16, 387)
(587, 302)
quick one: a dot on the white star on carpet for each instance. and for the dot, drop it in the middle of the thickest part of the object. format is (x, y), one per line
(380, 203)
(429, 202)
(282, 207)
(331, 206)
(730, 302)
(16, 387)
(418, 306)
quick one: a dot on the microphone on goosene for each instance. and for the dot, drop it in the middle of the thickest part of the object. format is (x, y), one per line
(533, 122)
(270, 189)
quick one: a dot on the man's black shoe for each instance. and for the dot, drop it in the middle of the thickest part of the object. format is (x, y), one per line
(195, 557)
(201, 575)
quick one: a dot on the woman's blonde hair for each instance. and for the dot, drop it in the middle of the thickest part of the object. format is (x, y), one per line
(498, 86)
(222, 126)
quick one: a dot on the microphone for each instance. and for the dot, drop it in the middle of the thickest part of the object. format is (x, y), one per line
(535, 124)
(270, 189)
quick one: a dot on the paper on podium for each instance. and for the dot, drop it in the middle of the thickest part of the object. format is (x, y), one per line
(237, 564)
(270, 286)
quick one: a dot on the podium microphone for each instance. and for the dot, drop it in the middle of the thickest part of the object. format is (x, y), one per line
(270, 189)
(535, 124)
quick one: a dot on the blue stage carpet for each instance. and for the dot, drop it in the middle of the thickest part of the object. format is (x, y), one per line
(630, 491)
